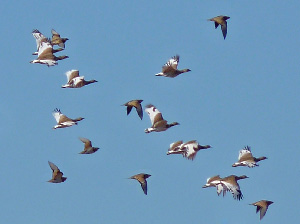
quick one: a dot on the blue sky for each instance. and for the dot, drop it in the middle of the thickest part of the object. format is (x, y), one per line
(241, 91)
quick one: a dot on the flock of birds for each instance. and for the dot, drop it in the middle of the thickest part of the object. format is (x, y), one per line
(45, 52)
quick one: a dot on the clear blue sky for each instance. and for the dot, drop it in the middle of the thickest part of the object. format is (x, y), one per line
(241, 91)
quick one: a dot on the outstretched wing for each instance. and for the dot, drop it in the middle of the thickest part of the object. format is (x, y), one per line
(144, 186)
(191, 149)
(154, 114)
(171, 65)
(45, 48)
(38, 37)
(52, 166)
(57, 114)
(72, 74)
(87, 142)
(224, 29)
(245, 154)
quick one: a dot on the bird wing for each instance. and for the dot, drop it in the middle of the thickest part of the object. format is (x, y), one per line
(234, 189)
(45, 49)
(57, 115)
(63, 118)
(52, 166)
(171, 65)
(216, 25)
(87, 142)
(175, 145)
(129, 108)
(244, 153)
(139, 110)
(144, 186)
(153, 113)
(38, 37)
(54, 33)
(72, 74)
(190, 149)
(263, 211)
(224, 29)
(78, 80)
(221, 187)
(214, 178)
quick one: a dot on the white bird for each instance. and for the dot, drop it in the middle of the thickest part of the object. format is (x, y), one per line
(247, 159)
(63, 121)
(158, 123)
(191, 148)
(76, 81)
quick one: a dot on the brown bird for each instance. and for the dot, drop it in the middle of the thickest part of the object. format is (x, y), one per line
(170, 68)
(232, 185)
(88, 148)
(57, 176)
(142, 179)
(76, 81)
(158, 123)
(63, 121)
(262, 206)
(57, 40)
(221, 20)
(137, 105)
(247, 159)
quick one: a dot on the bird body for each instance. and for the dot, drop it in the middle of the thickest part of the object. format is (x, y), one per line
(63, 121)
(88, 148)
(141, 178)
(170, 68)
(221, 20)
(76, 81)
(262, 206)
(57, 175)
(158, 123)
(137, 105)
(247, 159)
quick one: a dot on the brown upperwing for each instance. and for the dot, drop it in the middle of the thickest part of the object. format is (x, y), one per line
(46, 54)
